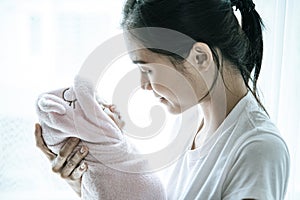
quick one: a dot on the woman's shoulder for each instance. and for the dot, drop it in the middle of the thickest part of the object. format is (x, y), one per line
(262, 143)
(256, 122)
(257, 134)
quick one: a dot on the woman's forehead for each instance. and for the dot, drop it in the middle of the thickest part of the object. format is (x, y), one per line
(141, 55)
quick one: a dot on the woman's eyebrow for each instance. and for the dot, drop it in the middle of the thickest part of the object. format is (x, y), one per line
(139, 62)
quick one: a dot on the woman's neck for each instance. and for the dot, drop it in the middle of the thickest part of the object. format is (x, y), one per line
(220, 103)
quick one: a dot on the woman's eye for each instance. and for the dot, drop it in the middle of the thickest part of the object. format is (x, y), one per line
(145, 71)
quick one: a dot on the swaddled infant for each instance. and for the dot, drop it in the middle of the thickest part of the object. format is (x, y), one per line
(114, 170)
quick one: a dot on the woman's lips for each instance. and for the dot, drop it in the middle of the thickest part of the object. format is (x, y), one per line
(163, 100)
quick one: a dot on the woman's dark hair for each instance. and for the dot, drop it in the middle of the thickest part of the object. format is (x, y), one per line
(209, 21)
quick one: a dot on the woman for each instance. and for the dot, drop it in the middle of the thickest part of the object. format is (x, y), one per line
(237, 152)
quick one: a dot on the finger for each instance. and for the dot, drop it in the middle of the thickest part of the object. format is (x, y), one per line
(107, 105)
(41, 144)
(112, 108)
(74, 161)
(114, 116)
(108, 112)
(78, 172)
(112, 112)
(64, 153)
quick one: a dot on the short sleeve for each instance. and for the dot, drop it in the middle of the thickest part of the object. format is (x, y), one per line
(260, 170)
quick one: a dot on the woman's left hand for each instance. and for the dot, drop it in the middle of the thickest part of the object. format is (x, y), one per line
(70, 168)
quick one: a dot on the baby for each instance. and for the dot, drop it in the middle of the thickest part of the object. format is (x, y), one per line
(114, 172)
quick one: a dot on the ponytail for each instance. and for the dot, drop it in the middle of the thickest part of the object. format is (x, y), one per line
(252, 26)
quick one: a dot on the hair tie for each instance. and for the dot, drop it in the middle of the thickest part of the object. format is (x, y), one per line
(243, 5)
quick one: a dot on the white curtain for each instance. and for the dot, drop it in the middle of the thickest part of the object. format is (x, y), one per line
(44, 42)
(288, 118)
(279, 80)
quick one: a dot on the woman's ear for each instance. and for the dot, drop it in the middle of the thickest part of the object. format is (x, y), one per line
(200, 56)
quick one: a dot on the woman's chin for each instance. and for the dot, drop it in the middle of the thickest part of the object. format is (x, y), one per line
(176, 109)
(172, 108)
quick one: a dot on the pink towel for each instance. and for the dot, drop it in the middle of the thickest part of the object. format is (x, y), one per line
(114, 171)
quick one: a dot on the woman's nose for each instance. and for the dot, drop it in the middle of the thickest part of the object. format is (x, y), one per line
(145, 83)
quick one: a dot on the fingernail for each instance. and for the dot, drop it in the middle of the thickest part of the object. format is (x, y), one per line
(83, 149)
(82, 166)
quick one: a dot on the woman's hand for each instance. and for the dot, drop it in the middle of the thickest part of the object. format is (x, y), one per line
(69, 167)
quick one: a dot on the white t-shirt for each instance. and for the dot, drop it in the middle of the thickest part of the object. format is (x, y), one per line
(244, 158)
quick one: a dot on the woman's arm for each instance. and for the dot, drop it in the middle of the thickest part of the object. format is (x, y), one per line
(69, 168)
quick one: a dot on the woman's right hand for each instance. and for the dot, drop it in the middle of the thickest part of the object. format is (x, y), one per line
(69, 167)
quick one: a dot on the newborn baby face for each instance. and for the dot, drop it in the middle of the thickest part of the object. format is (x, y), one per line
(111, 110)
(114, 114)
